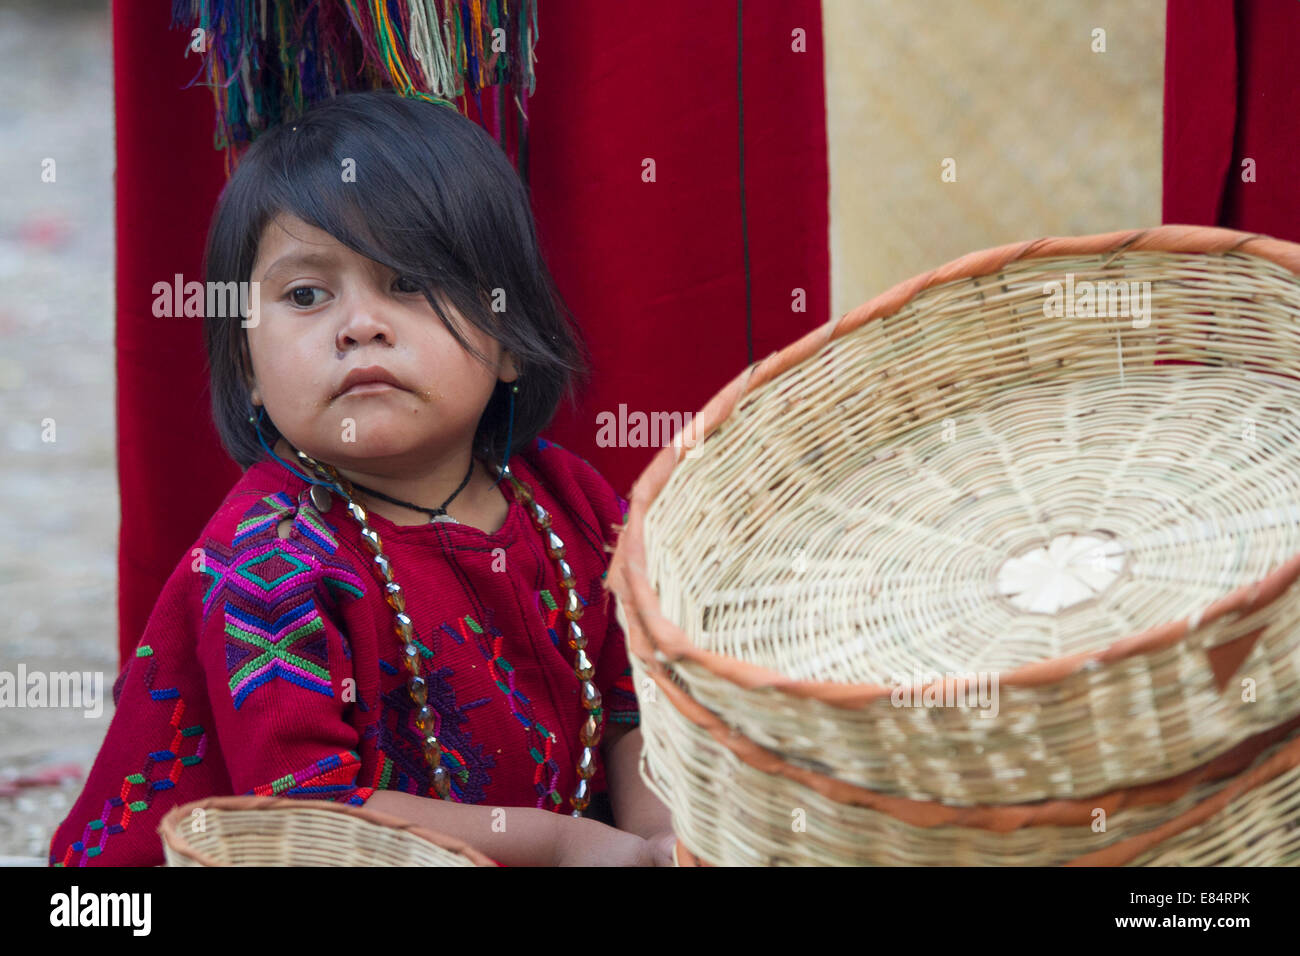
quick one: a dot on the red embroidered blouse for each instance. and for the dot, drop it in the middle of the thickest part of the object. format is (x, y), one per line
(269, 665)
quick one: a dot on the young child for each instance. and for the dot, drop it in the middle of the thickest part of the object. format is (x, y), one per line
(376, 614)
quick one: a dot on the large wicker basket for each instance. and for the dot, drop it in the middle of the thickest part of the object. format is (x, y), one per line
(279, 831)
(954, 488)
(736, 804)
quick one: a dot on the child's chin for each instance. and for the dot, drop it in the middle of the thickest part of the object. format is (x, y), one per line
(376, 448)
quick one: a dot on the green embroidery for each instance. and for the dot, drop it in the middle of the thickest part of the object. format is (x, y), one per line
(271, 503)
(343, 586)
(311, 516)
(297, 566)
(275, 651)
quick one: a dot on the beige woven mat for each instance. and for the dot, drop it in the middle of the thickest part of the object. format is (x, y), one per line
(1049, 138)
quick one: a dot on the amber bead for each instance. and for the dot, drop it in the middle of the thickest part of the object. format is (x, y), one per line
(411, 651)
(432, 749)
(540, 517)
(393, 595)
(587, 763)
(371, 537)
(424, 717)
(572, 605)
(385, 568)
(581, 796)
(357, 512)
(412, 662)
(402, 625)
(442, 782)
(577, 640)
(590, 695)
(583, 666)
(590, 733)
(419, 690)
(566, 574)
(554, 545)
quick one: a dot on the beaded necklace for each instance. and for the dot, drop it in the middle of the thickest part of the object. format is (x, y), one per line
(590, 734)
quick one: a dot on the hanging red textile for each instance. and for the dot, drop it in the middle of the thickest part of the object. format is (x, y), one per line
(1232, 92)
(656, 272)
(675, 283)
(172, 472)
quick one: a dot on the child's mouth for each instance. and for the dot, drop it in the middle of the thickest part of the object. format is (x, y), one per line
(369, 388)
(370, 380)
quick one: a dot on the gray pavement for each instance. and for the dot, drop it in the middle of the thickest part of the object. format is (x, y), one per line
(58, 499)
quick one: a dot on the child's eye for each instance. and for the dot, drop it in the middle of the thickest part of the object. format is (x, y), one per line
(304, 295)
(406, 284)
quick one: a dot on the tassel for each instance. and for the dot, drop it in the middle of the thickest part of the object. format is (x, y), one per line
(427, 46)
(266, 61)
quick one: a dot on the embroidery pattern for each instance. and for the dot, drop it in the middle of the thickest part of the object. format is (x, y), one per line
(327, 779)
(400, 741)
(131, 802)
(621, 704)
(623, 707)
(552, 616)
(541, 742)
(266, 588)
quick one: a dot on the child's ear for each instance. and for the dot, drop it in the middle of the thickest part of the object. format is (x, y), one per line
(506, 370)
(250, 379)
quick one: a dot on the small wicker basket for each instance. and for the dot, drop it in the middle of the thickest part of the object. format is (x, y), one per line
(278, 831)
(968, 483)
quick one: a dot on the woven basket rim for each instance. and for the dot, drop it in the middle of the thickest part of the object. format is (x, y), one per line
(172, 836)
(1239, 761)
(1129, 849)
(629, 581)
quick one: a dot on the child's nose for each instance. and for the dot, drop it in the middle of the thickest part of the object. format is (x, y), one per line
(365, 323)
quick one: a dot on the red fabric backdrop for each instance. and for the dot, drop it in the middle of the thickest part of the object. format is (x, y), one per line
(171, 470)
(1232, 92)
(654, 272)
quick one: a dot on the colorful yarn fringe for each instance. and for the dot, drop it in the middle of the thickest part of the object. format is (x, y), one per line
(268, 60)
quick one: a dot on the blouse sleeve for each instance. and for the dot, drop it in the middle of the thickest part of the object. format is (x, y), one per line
(279, 674)
(613, 672)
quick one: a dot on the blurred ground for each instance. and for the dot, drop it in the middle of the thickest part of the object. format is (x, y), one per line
(59, 507)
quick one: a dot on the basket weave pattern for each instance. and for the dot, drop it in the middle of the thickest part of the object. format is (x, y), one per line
(857, 512)
(279, 831)
(731, 812)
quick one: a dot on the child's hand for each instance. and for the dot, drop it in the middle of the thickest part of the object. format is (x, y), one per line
(588, 842)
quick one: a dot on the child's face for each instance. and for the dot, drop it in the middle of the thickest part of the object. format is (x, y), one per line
(326, 311)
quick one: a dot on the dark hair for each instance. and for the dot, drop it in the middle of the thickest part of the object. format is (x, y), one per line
(436, 200)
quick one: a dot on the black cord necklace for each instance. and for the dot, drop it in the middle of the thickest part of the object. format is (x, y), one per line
(435, 514)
